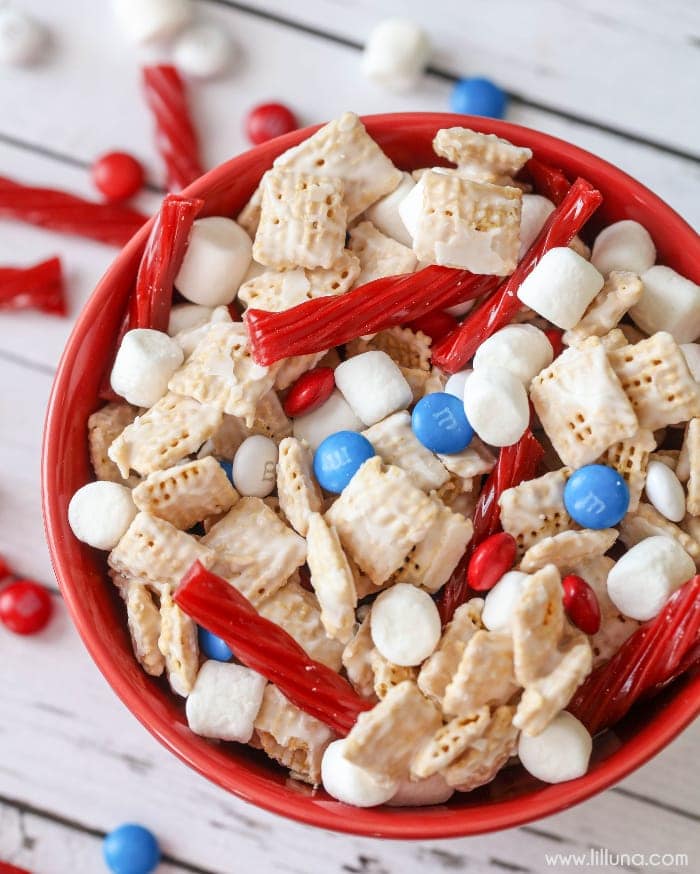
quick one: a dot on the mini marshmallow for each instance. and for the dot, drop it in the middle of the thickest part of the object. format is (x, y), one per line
(396, 54)
(384, 214)
(351, 784)
(524, 350)
(669, 302)
(501, 601)
(146, 21)
(225, 701)
(561, 287)
(186, 316)
(691, 353)
(203, 51)
(455, 384)
(335, 415)
(255, 466)
(422, 793)
(535, 212)
(143, 366)
(22, 38)
(216, 260)
(405, 624)
(561, 752)
(373, 385)
(646, 576)
(496, 405)
(99, 513)
(624, 245)
(665, 491)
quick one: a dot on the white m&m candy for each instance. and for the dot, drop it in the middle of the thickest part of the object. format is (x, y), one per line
(255, 466)
(496, 405)
(203, 51)
(624, 245)
(351, 784)
(669, 302)
(99, 513)
(146, 21)
(665, 491)
(373, 385)
(524, 350)
(22, 39)
(396, 54)
(143, 366)
(405, 624)
(561, 752)
(216, 260)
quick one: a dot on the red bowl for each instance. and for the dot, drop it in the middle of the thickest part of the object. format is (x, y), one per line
(514, 797)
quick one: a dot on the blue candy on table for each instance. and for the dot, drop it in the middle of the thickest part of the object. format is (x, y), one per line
(596, 496)
(440, 423)
(478, 96)
(339, 457)
(131, 849)
(227, 467)
(214, 647)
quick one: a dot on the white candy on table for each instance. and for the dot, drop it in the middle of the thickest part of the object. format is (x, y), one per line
(422, 793)
(624, 245)
(255, 466)
(144, 363)
(501, 600)
(351, 784)
(524, 350)
(561, 752)
(647, 575)
(455, 384)
(384, 214)
(561, 287)
(225, 701)
(185, 316)
(99, 513)
(22, 38)
(535, 212)
(146, 21)
(217, 258)
(405, 624)
(373, 385)
(204, 51)
(669, 302)
(334, 415)
(496, 405)
(396, 54)
(665, 491)
(691, 353)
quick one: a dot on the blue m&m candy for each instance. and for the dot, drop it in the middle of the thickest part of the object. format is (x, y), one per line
(339, 457)
(131, 849)
(596, 496)
(439, 422)
(227, 467)
(214, 647)
(477, 96)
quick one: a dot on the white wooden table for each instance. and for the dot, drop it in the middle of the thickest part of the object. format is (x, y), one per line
(618, 78)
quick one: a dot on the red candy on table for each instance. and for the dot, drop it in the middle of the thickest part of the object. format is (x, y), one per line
(5, 868)
(491, 559)
(312, 389)
(269, 120)
(25, 607)
(581, 604)
(118, 176)
(5, 569)
(37, 287)
(435, 325)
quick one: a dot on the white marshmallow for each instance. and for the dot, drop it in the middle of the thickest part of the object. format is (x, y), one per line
(455, 384)
(216, 260)
(665, 491)
(335, 415)
(535, 212)
(501, 600)
(561, 752)
(691, 353)
(255, 466)
(561, 287)
(396, 54)
(188, 338)
(373, 385)
(143, 366)
(524, 350)
(647, 575)
(351, 784)
(669, 302)
(384, 214)
(422, 793)
(185, 316)
(203, 51)
(496, 405)
(99, 513)
(225, 701)
(146, 21)
(461, 309)
(624, 245)
(405, 624)
(22, 38)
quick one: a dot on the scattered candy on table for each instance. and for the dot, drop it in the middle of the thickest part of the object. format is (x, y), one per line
(131, 849)
(269, 120)
(478, 96)
(596, 496)
(339, 457)
(490, 561)
(5, 569)
(581, 604)
(439, 422)
(214, 647)
(25, 607)
(118, 176)
(22, 38)
(254, 466)
(149, 21)
(204, 51)
(396, 54)
(40, 286)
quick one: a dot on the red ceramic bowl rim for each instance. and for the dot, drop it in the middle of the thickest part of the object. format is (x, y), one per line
(416, 823)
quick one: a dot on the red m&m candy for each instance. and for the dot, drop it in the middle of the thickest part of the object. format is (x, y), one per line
(117, 175)
(491, 559)
(269, 120)
(25, 607)
(581, 604)
(310, 391)
(435, 325)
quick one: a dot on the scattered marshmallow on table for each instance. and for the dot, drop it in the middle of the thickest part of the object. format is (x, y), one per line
(405, 624)
(22, 38)
(624, 245)
(144, 363)
(646, 576)
(669, 302)
(225, 701)
(524, 350)
(217, 258)
(373, 385)
(664, 491)
(255, 465)
(422, 793)
(145, 21)
(351, 784)
(496, 405)
(501, 600)
(186, 316)
(535, 212)
(384, 214)
(332, 416)
(99, 513)
(203, 51)
(396, 54)
(561, 287)
(561, 752)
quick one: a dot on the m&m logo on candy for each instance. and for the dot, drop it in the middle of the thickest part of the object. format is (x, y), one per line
(339, 457)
